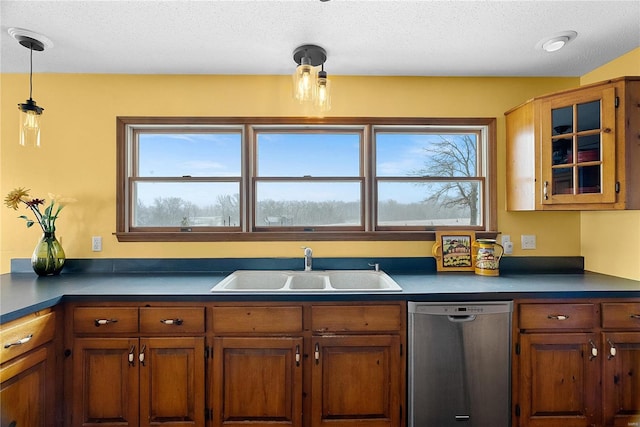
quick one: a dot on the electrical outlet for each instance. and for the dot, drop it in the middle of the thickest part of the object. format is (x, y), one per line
(528, 241)
(507, 244)
(96, 243)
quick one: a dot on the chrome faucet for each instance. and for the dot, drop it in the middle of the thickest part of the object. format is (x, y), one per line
(308, 258)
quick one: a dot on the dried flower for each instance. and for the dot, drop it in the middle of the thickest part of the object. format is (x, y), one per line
(14, 198)
(46, 219)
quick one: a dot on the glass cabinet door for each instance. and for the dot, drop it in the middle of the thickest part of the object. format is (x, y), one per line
(578, 147)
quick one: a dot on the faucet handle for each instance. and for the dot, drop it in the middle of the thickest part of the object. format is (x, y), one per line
(375, 266)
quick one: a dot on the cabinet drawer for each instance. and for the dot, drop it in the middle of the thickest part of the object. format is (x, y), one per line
(257, 319)
(24, 336)
(621, 315)
(171, 320)
(100, 320)
(557, 316)
(356, 318)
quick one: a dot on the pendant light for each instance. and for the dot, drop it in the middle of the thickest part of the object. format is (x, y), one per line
(30, 112)
(309, 85)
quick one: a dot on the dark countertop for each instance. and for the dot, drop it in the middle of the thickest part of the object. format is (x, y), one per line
(25, 293)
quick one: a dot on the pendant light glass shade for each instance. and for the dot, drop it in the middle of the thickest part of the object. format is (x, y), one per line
(30, 115)
(323, 93)
(304, 79)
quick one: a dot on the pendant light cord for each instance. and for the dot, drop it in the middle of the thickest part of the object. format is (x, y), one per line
(31, 72)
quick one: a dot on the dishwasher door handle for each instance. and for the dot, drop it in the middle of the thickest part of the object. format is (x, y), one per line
(462, 318)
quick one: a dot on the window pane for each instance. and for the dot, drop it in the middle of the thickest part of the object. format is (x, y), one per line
(193, 204)
(562, 120)
(192, 154)
(308, 204)
(589, 116)
(455, 203)
(312, 154)
(424, 154)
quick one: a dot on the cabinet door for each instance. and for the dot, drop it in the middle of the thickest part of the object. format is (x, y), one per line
(25, 392)
(355, 381)
(257, 381)
(105, 382)
(172, 381)
(621, 379)
(559, 377)
(579, 147)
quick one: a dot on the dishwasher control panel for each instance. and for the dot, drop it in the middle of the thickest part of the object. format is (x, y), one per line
(461, 308)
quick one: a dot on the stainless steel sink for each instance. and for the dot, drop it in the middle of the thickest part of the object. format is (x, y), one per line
(307, 281)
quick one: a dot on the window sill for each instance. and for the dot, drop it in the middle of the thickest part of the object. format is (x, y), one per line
(285, 236)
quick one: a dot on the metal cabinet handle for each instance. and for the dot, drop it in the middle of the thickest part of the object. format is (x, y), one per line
(612, 350)
(316, 353)
(20, 341)
(558, 316)
(141, 355)
(297, 355)
(594, 350)
(131, 356)
(635, 316)
(172, 321)
(545, 191)
(100, 322)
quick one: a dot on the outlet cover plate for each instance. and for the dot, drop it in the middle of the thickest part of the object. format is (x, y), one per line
(528, 241)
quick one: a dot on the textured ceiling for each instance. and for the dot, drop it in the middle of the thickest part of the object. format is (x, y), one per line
(413, 38)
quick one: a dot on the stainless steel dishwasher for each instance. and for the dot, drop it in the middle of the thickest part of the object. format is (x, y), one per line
(459, 371)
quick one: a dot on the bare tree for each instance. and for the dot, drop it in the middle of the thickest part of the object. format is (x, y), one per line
(454, 156)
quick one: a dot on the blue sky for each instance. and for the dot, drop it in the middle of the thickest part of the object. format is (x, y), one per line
(279, 154)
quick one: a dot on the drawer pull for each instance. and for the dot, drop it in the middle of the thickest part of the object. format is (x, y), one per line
(20, 341)
(612, 350)
(635, 316)
(558, 316)
(297, 355)
(177, 322)
(594, 350)
(100, 322)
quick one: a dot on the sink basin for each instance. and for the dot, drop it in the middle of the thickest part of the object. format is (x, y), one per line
(307, 281)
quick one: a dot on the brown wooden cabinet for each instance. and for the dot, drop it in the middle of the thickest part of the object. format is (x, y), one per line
(574, 150)
(621, 363)
(576, 364)
(357, 365)
(27, 371)
(137, 366)
(257, 365)
(308, 364)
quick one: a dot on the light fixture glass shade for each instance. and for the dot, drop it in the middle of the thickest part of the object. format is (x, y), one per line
(304, 86)
(30, 115)
(323, 92)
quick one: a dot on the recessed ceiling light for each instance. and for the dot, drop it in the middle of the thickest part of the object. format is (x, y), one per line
(556, 42)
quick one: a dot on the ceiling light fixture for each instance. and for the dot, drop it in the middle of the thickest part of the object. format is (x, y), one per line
(309, 84)
(557, 42)
(30, 112)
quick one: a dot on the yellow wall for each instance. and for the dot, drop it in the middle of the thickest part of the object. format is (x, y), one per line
(604, 233)
(77, 157)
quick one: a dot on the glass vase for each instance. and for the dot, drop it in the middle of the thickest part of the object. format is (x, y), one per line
(48, 257)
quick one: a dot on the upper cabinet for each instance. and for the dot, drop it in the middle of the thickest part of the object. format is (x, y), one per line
(574, 150)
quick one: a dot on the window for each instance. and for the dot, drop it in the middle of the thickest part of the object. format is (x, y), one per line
(244, 179)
